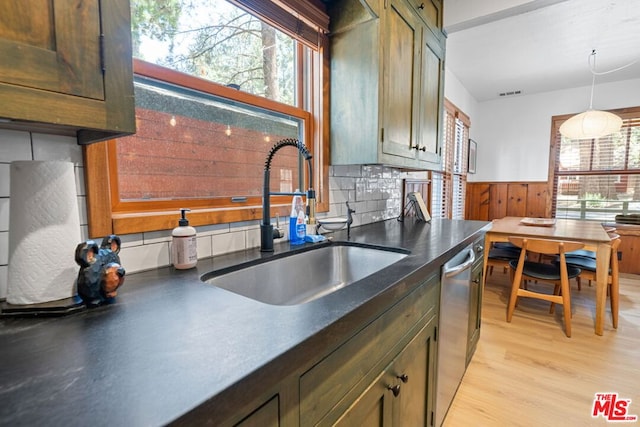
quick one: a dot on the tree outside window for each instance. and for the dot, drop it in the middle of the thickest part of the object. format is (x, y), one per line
(216, 87)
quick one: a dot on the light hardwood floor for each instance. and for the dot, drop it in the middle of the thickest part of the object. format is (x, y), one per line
(528, 373)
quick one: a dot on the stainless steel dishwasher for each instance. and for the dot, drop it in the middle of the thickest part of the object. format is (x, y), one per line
(453, 328)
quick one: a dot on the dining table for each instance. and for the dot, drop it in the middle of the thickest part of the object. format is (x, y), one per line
(591, 233)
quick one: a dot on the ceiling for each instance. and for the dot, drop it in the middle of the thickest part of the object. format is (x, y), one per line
(500, 46)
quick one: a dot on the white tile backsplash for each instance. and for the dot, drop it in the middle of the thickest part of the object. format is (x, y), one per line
(252, 237)
(5, 174)
(14, 145)
(205, 246)
(4, 247)
(151, 237)
(131, 240)
(229, 242)
(81, 188)
(56, 147)
(4, 274)
(4, 214)
(373, 190)
(144, 257)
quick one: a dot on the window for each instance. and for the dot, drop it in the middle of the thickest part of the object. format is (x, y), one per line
(597, 179)
(217, 84)
(449, 185)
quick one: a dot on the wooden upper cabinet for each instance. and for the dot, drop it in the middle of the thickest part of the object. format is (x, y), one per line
(431, 13)
(54, 55)
(431, 106)
(67, 65)
(387, 70)
(401, 77)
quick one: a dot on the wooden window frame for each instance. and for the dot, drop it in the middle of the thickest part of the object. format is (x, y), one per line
(630, 113)
(101, 172)
(448, 172)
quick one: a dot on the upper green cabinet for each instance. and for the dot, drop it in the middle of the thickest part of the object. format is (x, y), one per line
(67, 65)
(387, 70)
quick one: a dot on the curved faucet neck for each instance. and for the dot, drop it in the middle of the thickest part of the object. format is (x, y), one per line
(266, 229)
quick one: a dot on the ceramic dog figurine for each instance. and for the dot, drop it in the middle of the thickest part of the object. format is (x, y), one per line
(101, 273)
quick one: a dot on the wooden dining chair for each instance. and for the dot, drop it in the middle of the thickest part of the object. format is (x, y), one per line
(556, 273)
(591, 255)
(500, 254)
(587, 265)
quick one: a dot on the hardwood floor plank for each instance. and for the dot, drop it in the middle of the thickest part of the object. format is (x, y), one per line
(528, 373)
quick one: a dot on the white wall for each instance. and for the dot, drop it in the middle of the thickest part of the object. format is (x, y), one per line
(513, 134)
(457, 11)
(457, 94)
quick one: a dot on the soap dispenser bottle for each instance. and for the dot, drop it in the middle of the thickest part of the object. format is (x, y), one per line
(297, 224)
(184, 251)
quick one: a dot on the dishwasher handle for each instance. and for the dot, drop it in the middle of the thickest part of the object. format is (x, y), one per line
(457, 269)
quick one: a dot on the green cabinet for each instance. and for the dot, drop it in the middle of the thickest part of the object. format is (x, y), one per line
(383, 375)
(67, 67)
(430, 11)
(387, 74)
(475, 299)
(402, 395)
(267, 415)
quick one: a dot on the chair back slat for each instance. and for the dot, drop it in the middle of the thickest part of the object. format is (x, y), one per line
(546, 246)
(557, 274)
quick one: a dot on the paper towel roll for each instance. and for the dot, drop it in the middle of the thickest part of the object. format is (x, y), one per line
(44, 230)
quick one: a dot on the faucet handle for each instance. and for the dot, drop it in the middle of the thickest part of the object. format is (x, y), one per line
(349, 220)
(349, 211)
(278, 233)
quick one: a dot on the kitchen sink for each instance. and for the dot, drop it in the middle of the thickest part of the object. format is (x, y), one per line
(305, 276)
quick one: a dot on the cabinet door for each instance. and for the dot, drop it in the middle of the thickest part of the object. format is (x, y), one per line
(475, 304)
(430, 11)
(402, 35)
(61, 50)
(414, 371)
(432, 98)
(66, 65)
(265, 416)
(374, 407)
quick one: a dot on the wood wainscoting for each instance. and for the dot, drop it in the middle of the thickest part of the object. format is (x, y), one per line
(486, 201)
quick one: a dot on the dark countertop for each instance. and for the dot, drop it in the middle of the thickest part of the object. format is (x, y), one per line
(175, 349)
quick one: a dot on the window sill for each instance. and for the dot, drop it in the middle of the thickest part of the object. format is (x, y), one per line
(138, 222)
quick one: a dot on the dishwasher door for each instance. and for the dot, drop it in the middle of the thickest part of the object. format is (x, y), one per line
(453, 328)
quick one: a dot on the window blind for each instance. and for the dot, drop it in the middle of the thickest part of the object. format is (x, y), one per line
(307, 22)
(598, 178)
(449, 185)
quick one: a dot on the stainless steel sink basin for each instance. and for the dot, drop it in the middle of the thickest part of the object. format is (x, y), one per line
(305, 276)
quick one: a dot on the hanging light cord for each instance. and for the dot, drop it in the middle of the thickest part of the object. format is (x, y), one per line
(592, 67)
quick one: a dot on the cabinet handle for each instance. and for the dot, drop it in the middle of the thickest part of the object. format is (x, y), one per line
(403, 377)
(421, 6)
(423, 148)
(394, 389)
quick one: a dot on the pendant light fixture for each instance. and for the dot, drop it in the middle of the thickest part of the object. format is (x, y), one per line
(592, 123)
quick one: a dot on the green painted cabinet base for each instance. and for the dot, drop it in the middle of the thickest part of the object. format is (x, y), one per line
(475, 299)
(384, 375)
